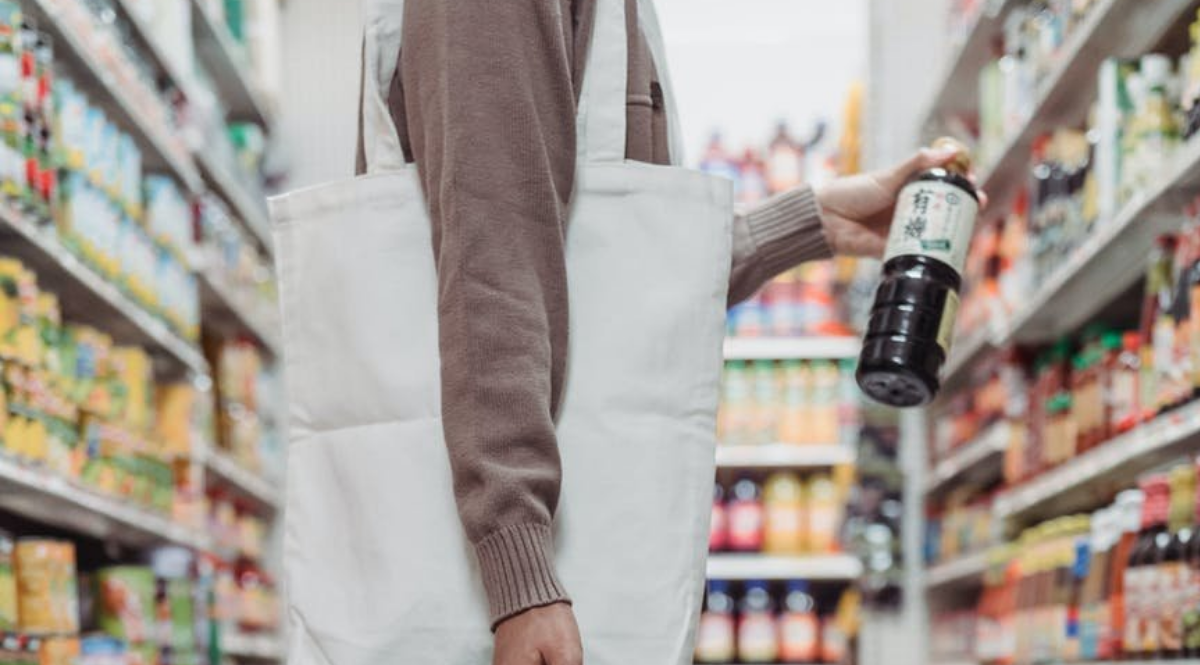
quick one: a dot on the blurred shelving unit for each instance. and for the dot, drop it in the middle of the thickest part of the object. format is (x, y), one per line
(833, 567)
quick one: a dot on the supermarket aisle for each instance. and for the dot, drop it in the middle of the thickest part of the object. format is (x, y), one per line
(1061, 491)
(139, 456)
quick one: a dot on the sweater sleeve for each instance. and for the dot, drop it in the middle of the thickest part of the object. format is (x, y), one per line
(489, 109)
(773, 236)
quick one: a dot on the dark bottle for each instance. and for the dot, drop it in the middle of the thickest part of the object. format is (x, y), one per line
(908, 335)
(1141, 576)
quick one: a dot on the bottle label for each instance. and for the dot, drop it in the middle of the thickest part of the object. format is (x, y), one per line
(1170, 612)
(715, 638)
(757, 637)
(934, 219)
(798, 633)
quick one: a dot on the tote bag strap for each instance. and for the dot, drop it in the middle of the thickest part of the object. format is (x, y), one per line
(379, 142)
(600, 118)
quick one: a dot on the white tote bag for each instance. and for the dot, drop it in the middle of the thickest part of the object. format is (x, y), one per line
(378, 569)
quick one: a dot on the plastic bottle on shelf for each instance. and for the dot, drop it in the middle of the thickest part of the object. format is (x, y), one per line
(783, 498)
(737, 401)
(1191, 609)
(758, 634)
(765, 407)
(912, 319)
(824, 514)
(715, 641)
(718, 526)
(849, 406)
(746, 517)
(799, 627)
(825, 397)
(794, 417)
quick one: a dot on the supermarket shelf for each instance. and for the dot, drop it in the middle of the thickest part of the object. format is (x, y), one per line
(972, 458)
(264, 647)
(1110, 29)
(957, 572)
(36, 494)
(761, 566)
(783, 456)
(230, 309)
(1093, 477)
(87, 297)
(958, 90)
(149, 44)
(248, 207)
(1111, 260)
(245, 482)
(792, 348)
(224, 60)
(107, 92)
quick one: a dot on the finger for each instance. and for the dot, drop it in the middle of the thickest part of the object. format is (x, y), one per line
(982, 195)
(925, 158)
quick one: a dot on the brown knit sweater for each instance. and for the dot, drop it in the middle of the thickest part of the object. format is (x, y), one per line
(484, 101)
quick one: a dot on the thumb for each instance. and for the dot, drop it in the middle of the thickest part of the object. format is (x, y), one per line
(925, 158)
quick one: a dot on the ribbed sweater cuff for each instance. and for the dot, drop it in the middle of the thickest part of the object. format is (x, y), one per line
(517, 563)
(787, 231)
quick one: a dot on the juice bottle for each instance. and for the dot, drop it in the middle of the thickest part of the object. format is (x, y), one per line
(833, 640)
(849, 407)
(757, 635)
(718, 526)
(824, 514)
(799, 628)
(784, 500)
(912, 320)
(794, 416)
(746, 517)
(765, 407)
(715, 636)
(825, 395)
(781, 310)
(737, 400)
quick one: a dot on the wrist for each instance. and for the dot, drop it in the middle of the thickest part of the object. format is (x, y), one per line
(517, 565)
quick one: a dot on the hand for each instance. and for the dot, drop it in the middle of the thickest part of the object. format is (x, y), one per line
(856, 211)
(539, 636)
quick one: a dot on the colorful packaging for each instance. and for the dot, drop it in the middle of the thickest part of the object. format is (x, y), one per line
(46, 592)
(125, 601)
(783, 498)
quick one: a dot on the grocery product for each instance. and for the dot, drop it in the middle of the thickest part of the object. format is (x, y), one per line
(715, 638)
(746, 517)
(785, 524)
(46, 591)
(790, 402)
(8, 584)
(799, 628)
(825, 509)
(757, 631)
(125, 607)
(908, 337)
(718, 525)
